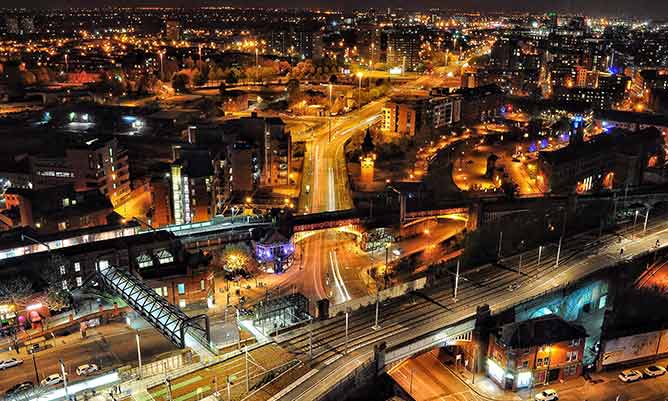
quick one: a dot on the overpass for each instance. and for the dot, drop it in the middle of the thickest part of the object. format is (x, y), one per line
(409, 325)
(180, 329)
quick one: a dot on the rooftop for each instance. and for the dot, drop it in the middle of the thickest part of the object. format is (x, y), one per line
(544, 330)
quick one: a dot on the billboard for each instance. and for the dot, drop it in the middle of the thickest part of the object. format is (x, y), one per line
(629, 348)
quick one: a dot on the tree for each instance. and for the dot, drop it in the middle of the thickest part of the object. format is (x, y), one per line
(16, 291)
(235, 258)
(510, 189)
(180, 82)
(293, 88)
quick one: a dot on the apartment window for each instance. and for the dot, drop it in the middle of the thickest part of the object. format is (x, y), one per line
(182, 303)
(79, 281)
(525, 364)
(62, 226)
(62, 270)
(546, 361)
(571, 356)
(64, 283)
(575, 343)
(181, 288)
(539, 362)
(77, 266)
(201, 285)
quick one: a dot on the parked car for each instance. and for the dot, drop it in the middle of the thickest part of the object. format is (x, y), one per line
(52, 380)
(547, 395)
(87, 369)
(630, 375)
(10, 363)
(32, 348)
(19, 388)
(654, 371)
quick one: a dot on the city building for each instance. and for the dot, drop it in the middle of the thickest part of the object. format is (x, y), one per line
(535, 352)
(408, 115)
(157, 257)
(608, 161)
(480, 102)
(403, 48)
(173, 30)
(59, 208)
(192, 177)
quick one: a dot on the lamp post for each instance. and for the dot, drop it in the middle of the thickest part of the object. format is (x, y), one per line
(329, 120)
(162, 68)
(359, 89)
(138, 353)
(62, 371)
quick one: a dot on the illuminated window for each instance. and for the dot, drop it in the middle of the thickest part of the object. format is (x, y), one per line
(77, 266)
(64, 283)
(79, 281)
(181, 288)
(182, 303)
(201, 285)
(62, 270)
(164, 256)
(144, 260)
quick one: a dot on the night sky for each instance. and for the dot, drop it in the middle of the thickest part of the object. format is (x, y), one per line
(658, 9)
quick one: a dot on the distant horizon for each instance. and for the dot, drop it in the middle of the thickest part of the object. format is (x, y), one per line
(595, 8)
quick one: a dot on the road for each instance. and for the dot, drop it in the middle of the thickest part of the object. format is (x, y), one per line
(109, 346)
(427, 379)
(325, 187)
(500, 288)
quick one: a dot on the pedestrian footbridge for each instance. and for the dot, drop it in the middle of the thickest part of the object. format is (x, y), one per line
(183, 331)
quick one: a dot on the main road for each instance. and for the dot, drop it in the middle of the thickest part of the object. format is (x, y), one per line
(325, 188)
(500, 288)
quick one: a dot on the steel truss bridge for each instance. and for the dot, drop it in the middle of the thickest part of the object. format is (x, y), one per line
(182, 330)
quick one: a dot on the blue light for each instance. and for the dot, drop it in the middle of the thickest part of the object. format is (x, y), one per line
(129, 119)
(532, 147)
(543, 143)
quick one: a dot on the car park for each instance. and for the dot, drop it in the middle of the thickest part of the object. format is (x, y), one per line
(10, 363)
(630, 375)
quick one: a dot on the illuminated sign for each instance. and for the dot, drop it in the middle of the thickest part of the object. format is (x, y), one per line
(395, 71)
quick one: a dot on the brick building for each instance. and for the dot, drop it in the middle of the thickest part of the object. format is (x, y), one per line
(535, 352)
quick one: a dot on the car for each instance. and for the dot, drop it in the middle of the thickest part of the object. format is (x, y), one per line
(19, 388)
(52, 380)
(87, 369)
(10, 363)
(32, 348)
(630, 375)
(547, 395)
(654, 371)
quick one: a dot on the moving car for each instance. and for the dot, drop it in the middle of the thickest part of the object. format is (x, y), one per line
(10, 363)
(547, 395)
(87, 369)
(52, 380)
(654, 371)
(19, 388)
(630, 375)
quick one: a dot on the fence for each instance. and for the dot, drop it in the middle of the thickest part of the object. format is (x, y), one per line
(383, 295)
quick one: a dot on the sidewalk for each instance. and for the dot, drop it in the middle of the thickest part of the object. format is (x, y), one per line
(58, 322)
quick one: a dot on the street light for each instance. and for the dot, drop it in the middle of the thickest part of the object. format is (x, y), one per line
(330, 113)
(138, 353)
(359, 75)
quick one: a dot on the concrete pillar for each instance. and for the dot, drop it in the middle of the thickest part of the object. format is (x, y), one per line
(480, 337)
(379, 356)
